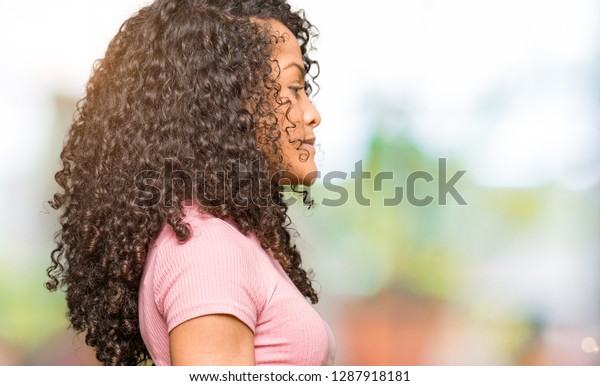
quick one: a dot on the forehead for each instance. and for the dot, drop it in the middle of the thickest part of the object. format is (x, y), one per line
(287, 49)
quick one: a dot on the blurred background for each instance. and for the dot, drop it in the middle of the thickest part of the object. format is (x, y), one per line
(506, 91)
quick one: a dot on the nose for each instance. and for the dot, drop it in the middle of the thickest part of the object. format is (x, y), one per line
(312, 118)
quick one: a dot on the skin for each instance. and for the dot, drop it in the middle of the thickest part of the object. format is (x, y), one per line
(298, 170)
(223, 339)
(212, 340)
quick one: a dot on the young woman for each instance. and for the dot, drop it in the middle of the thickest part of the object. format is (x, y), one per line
(174, 243)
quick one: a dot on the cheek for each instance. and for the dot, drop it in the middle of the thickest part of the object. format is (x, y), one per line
(295, 115)
(291, 128)
(293, 123)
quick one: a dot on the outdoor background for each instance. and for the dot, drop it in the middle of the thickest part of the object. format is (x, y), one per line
(506, 90)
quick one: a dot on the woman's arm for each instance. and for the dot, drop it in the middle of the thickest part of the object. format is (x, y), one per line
(212, 340)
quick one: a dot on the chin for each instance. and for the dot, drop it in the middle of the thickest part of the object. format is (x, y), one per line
(299, 175)
(310, 178)
(293, 179)
(309, 181)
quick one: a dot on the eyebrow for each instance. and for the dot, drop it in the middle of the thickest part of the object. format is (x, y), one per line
(297, 65)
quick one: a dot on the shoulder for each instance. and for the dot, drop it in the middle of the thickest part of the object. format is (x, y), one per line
(213, 244)
(207, 233)
(216, 270)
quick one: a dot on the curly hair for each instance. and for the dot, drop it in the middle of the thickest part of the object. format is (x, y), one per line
(190, 82)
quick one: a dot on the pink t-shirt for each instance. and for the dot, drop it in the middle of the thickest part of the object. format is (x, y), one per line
(219, 270)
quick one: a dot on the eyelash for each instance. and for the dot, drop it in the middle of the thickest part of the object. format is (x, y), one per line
(297, 90)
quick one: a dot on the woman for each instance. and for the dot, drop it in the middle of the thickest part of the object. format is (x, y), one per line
(175, 244)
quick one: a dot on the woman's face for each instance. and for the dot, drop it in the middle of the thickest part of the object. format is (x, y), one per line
(298, 168)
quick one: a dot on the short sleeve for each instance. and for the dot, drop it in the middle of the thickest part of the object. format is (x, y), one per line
(213, 272)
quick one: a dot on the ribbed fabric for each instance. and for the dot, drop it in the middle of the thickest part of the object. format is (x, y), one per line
(220, 270)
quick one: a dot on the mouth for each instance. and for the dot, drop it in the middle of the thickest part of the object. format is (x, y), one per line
(309, 141)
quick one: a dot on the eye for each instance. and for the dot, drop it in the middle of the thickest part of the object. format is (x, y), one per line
(296, 89)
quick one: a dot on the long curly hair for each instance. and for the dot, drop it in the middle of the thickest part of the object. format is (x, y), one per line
(186, 88)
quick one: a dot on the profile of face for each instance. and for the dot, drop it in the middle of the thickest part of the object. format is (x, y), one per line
(297, 137)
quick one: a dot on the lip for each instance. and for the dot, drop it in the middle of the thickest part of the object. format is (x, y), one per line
(310, 141)
(308, 146)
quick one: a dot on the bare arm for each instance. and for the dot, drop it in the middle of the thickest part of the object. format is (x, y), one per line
(212, 340)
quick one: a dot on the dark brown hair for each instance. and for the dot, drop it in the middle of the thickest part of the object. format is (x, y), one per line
(171, 94)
